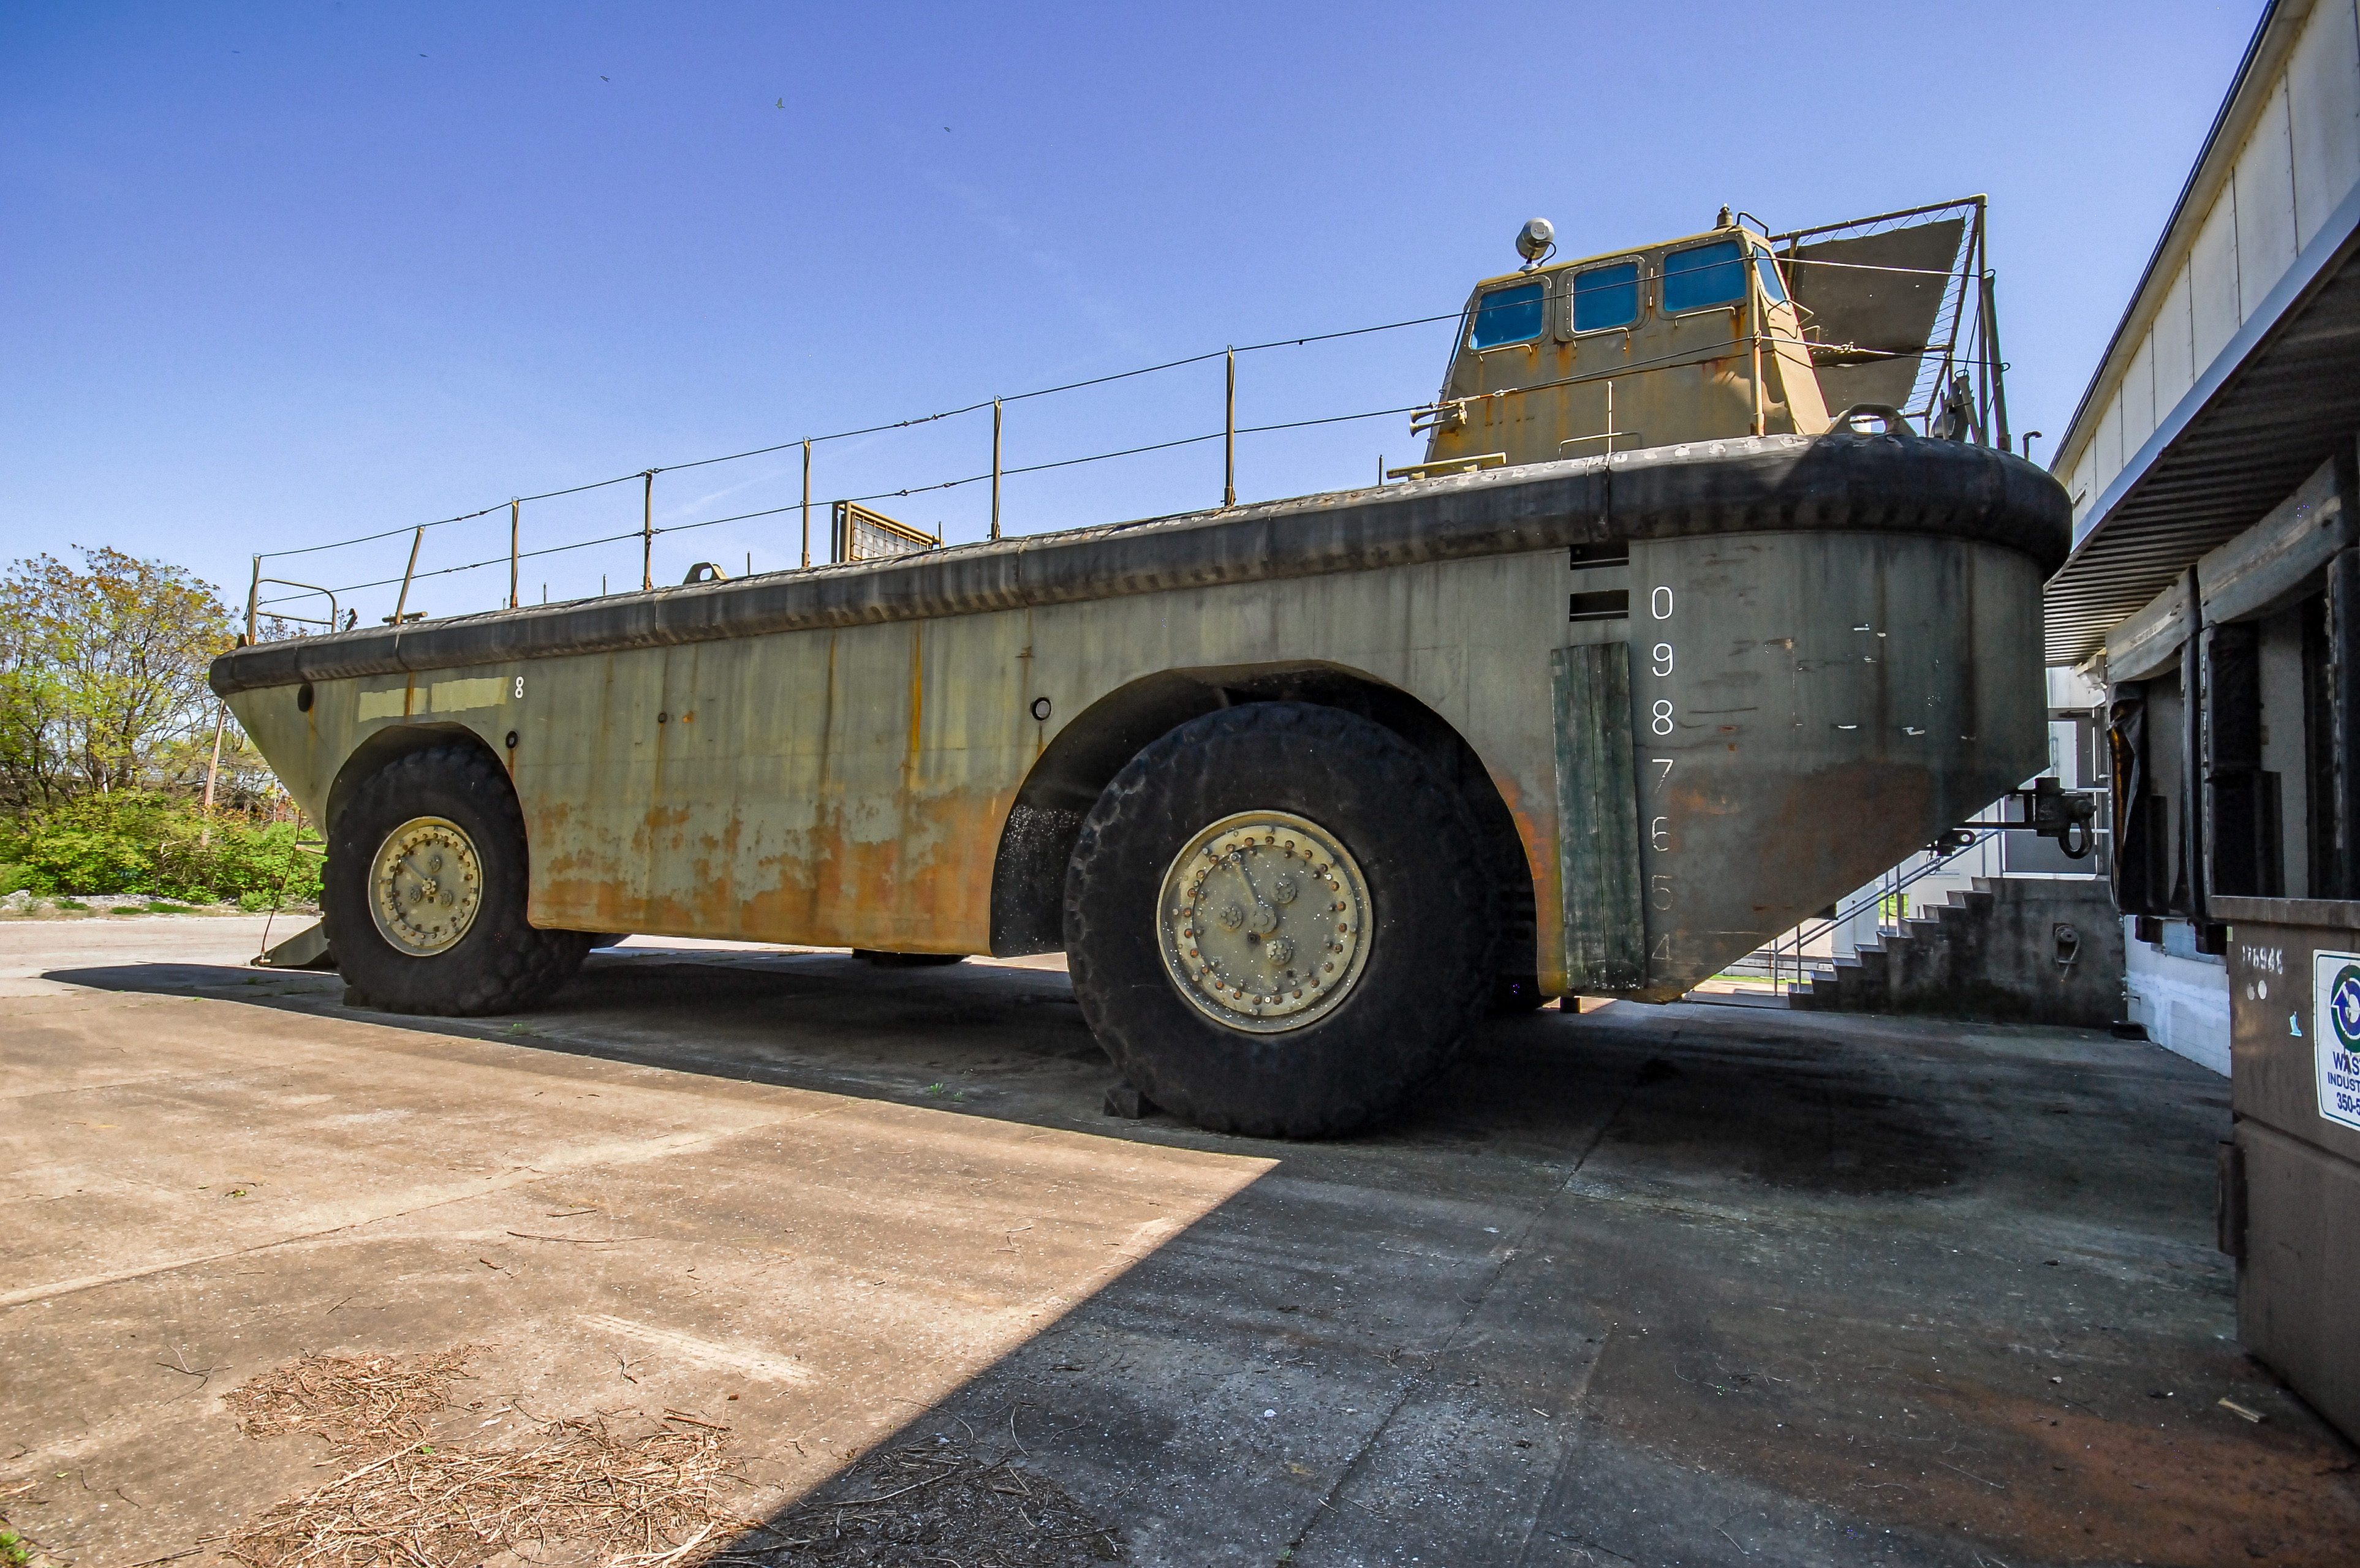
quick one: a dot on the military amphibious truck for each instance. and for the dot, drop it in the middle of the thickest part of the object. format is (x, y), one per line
(1652, 656)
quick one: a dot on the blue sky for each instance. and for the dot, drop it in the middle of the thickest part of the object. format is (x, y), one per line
(281, 274)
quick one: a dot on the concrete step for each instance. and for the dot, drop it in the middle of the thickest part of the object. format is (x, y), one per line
(1983, 952)
(1822, 986)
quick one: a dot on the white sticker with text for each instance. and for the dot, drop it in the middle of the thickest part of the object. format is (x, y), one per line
(2335, 1034)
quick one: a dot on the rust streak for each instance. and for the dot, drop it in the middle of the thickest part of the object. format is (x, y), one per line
(917, 703)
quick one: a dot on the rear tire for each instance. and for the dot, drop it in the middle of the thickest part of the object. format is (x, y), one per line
(424, 899)
(1280, 922)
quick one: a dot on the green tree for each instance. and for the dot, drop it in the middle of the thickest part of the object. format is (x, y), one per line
(101, 674)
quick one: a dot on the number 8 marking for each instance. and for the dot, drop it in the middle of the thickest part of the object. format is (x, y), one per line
(1663, 715)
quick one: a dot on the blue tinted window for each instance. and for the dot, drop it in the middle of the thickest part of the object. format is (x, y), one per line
(1772, 284)
(1704, 275)
(1510, 315)
(1606, 297)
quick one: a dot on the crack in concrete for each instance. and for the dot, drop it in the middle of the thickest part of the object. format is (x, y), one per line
(1419, 1382)
(560, 1164)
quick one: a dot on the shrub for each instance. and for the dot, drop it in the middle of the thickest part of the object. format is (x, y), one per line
(141, 841)
(263, 863)
(106, 843)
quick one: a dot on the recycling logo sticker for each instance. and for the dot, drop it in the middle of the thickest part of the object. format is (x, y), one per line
(2335, 1034)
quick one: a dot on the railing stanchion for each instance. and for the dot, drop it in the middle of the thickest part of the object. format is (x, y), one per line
(402, 604)
(1997, 369)
(1754, 343)
(806, 505)
(647, 531)
(253, 601)
(1230, 439)
(515, 509)
(995, 468)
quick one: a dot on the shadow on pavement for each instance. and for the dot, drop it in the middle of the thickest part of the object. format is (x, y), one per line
(1776, 1105)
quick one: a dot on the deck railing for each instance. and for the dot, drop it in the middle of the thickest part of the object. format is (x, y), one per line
(1964, 340)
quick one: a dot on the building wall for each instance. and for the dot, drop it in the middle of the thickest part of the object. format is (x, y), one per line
(2236, 685)
(2297, 135)
(2182, 996)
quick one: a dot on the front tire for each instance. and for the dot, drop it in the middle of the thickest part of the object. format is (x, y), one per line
(1279, 922)
(425, 892)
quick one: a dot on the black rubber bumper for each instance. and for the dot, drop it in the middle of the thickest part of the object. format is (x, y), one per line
(1837, 483)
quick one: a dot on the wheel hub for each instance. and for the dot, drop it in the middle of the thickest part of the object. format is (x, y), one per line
(1263, 920)
(425, 885)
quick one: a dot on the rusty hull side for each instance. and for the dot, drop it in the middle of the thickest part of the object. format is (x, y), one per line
(1809, 709)
(848, 786)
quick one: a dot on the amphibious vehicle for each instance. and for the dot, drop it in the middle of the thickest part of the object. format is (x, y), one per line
(1681, 631)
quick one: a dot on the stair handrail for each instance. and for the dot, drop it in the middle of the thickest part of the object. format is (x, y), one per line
(1805, 933)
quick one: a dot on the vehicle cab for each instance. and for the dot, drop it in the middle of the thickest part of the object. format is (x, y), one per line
(1694, 339)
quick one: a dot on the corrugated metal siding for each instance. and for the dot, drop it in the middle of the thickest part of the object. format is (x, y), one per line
(2296, 160)
(2291, 401)
(2137, 400)
(2323, 106)
(2214, 315)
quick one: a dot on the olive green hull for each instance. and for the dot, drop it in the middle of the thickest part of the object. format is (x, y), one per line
(1833, 654)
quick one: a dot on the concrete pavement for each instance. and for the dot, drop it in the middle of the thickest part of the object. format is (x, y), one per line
(1649, 1285)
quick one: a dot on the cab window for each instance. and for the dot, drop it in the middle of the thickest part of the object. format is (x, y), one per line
(1771, 285)
(1704, 276)
(1606, 297)
(1510, 315)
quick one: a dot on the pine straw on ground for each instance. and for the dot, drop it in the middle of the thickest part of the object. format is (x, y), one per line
(625, 1502)
(576, 1490)
(365, 1406)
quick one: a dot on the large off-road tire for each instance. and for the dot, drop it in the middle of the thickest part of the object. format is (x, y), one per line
(425, 892)
(1279, 922)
